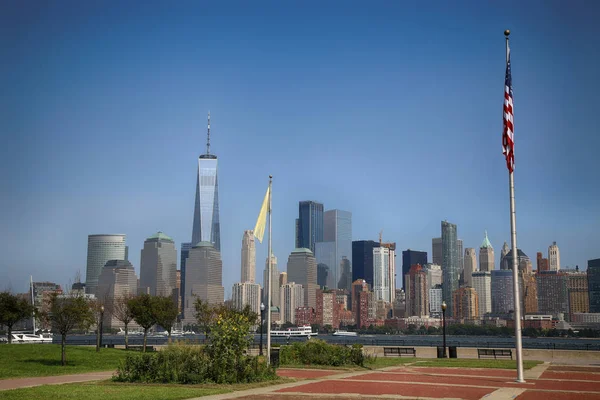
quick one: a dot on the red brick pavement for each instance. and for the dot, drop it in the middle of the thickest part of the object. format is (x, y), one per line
(307, 373)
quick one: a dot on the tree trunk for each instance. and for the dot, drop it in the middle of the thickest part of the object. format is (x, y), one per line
(169, 341)
(145, 334)
(63, 357)
(126, 338)
(9, 335)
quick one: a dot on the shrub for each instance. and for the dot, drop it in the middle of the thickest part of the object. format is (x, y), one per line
(319, 352)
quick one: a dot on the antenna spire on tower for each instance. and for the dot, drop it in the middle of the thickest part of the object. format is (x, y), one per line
(208, 136)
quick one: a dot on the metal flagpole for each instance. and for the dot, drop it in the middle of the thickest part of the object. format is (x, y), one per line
(515, 266)
(269, 283)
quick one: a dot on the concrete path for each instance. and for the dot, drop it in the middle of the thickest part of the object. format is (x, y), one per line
(17, 383)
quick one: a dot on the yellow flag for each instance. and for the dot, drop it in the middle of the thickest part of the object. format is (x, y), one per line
(261, 222)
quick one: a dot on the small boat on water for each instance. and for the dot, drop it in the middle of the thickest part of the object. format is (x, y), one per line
(344, 333)
(29, 338)
(296, 331)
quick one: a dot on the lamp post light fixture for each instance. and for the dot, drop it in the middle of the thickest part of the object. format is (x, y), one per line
(99, 331)
(444, 327)
(262, 322)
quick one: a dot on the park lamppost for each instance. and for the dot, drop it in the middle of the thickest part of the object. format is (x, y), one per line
(444, 327)
(262, 322)
(99, 333)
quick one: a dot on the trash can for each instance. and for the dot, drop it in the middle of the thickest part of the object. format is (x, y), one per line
(440, 352)
(275, 357)
(452, 351)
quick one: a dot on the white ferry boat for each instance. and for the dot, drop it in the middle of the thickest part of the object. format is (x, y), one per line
(304, 330)
(344, 333)
(29, 338)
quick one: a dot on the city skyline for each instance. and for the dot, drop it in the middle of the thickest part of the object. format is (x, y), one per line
(66, 173)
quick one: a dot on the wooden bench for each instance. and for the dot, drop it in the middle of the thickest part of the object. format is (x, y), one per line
(399, 351)
(141, 348)
(494, 353)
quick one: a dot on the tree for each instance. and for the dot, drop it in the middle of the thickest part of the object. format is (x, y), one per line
(68, 312)
(141, 308)
(205, 314)
(165, 312)
(12, 310)
(121, 311)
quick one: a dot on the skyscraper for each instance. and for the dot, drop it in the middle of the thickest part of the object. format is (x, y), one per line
(552, 291)
(502, 292)
(391, 246)
(206, 226)
(381, 273)
(410, 258)
(117, 279)
(504, 252)
(470, 266)
(486, 257)
(203, 278)
(436, 251)
(523, 261)
(309, 226)
(275, 298)
(184, 254)
(593, 275)
(322, 274)
(337, 244)
(158, 267)
(246, 294)
(292, 297)
(417, 292)
(482, 283)
(362, 260)
(248, 257)
(102, 248)
(542, 263)
(461, 255)
(302, 269)
(466, 303)
(579, 300)
(450, 267)
(554, 257)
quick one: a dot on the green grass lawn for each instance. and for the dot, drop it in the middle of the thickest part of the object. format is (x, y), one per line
(22, 360)
(109, 390)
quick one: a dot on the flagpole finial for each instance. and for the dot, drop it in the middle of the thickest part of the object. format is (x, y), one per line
(507, 33)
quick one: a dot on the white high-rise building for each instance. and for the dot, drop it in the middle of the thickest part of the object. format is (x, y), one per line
(158, 266)
(246, 293)
(248, 257)
(435, 302)
(102, 248)
(434, 275)
(292, 297)
(482, 283)
(275, 296)
(381, 273)
(392, 274)
(470, 266)
(554, 257)
(302, 269)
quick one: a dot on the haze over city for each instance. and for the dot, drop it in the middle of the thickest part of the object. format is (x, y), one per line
(392, 113)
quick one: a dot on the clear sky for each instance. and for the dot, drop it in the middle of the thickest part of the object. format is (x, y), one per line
(391, 111)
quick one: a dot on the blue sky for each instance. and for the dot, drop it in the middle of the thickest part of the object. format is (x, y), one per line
(392, 112)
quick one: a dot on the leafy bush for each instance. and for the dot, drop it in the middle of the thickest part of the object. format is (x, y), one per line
(319, 352)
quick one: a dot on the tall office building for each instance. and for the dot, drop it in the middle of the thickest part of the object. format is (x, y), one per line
(410, 258)
(542, 263)
(466, 303)
(362, 260)
(554, 257)
(309, 225)
(528, 293)
(381, 273)
(292, 297)
(360, 302)
(553, 295)
(158, 267)
(593, 275)
(248, 257)
(206, 226)
(184, 254)
(275, 292)
(345, 282)
(337, 246)
(435, 302)
(486, 256)
(102, 248)
(434, 275)
(283, 278)
(504, 252)
(579, 300)
(391, 246)
(503, 301)
(302, 269)
(450, 267)
(203, 278)
(325, 257)
(436, 251)
(523, 261)
(470, 266)
(322, 274)
(482, 283)
(461, 255)
(246, 294)
(117, 279)
(417, 292)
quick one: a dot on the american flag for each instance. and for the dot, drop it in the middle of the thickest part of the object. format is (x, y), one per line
(508, 138)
